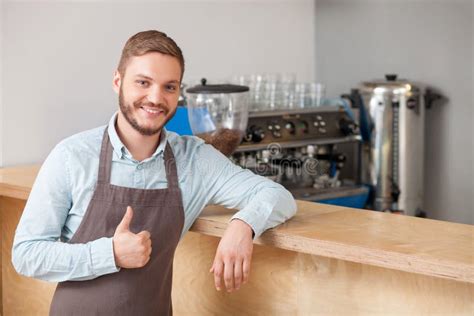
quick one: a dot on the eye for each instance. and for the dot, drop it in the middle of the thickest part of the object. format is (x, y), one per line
(171, 88)
(142, 83)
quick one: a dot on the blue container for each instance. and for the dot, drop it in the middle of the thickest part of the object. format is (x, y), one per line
(180, 122)
(356, 200)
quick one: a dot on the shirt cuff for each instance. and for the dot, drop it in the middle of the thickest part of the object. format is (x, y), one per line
(102, 256)
(255, 215)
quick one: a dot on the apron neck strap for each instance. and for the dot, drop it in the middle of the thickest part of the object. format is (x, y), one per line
(170, 167)
(105, 162)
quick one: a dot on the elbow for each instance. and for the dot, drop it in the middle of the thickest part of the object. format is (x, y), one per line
(289, 202)
(293, 206)
(20, 262)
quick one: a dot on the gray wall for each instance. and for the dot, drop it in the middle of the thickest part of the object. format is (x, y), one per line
(429, 42)
(59, 56)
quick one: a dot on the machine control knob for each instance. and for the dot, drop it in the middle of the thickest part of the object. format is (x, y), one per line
(316, 124)
(248, 136)
(322, 123)
(255, 134)
(290, 127)
(348, 127)
(302, 126)
(277, 127)
(276, 134)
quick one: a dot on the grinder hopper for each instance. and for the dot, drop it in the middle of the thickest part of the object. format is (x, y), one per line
(218, 114)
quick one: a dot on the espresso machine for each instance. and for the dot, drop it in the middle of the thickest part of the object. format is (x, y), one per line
(363, 151)
(312, 152)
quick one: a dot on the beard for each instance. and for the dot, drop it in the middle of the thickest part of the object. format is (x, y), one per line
(127, 111)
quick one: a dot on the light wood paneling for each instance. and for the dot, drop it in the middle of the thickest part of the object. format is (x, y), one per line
(17, 182)
(405, 243)
(1, 256)
(282, 282)
(289, 283)
(21, 295)
(336, 287)
(326, 260)
(271, 289)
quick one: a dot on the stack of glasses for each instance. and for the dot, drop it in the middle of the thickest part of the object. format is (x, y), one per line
(280, 92)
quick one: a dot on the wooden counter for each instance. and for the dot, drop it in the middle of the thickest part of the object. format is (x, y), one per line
(326, 260)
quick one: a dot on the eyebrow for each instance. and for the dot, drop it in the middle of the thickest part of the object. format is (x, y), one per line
(151, 79)
(143, 76)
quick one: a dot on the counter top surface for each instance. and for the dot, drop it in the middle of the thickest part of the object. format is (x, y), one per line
(17, 182)
(417, 245)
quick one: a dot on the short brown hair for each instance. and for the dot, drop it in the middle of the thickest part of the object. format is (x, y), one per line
(146, 42)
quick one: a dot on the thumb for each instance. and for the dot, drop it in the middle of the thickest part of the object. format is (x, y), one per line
(124, 224)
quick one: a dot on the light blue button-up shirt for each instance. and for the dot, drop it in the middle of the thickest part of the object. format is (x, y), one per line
(67, 179)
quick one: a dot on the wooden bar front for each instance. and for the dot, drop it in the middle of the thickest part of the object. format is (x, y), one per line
(327, 260)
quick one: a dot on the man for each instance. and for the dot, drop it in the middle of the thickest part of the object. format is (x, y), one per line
(109, 205)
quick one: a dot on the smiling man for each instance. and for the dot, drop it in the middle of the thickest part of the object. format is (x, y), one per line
(110, 205)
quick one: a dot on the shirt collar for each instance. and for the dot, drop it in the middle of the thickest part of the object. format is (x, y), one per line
(120, 149)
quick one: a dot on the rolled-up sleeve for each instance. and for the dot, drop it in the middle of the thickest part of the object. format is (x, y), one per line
(262, 203)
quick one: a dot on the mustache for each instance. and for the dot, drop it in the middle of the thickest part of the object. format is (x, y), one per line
(162, 107)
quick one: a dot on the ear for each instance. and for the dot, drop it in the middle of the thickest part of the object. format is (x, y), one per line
(117, 82)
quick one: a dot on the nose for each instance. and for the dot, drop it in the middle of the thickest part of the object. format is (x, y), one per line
(155, 96)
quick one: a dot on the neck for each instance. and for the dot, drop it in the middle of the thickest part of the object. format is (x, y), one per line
(140, 146)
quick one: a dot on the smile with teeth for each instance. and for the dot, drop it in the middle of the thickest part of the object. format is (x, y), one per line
(152, 111)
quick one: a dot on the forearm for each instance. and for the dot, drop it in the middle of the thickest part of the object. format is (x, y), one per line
(269, 207)
(262, 202)
(55, 261)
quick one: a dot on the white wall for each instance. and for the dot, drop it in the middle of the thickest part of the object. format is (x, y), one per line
(429, 42)
(59, 56)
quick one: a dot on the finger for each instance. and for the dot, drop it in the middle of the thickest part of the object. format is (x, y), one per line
(124, 224)
(237, 274)
(145, 234)
(246, 270)
(218, 267)
(229, 275)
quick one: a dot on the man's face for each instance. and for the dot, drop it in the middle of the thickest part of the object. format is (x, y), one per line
(149, 91)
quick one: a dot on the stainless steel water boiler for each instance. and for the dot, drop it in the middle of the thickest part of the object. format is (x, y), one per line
(394, 155)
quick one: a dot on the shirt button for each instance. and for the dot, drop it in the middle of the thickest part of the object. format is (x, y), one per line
(139, 167)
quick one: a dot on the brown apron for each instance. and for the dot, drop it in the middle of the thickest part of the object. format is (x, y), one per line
(141, 291)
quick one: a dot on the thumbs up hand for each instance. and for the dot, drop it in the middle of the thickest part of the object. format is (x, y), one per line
(130, 250)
